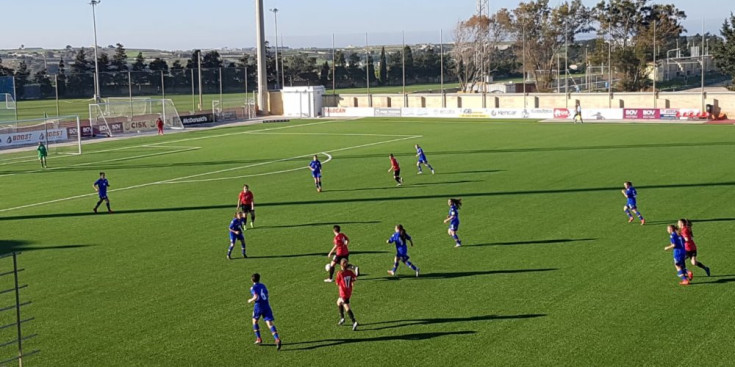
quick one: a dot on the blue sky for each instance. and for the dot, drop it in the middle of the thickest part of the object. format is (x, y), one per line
(183, 25)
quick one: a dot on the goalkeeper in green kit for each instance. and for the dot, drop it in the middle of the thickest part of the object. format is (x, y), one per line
(42, 153)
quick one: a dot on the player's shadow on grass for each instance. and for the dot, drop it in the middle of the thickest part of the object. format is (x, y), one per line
(315, 254)
(490, 194)
(461, 274)
(724, 279)
(549, 149)
(8, 246)
(406, 337)
(409, 185)
(321, 224)
(472, 171)
(442, 320)
(535, 242)
(673, 221)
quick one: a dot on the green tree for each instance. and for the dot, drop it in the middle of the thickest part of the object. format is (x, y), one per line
(324, 74)
(630, 25)
(140, 75)
(61, 79)
(382, 68)
(106, 78)
(81, 80)
(139, 64)
(157, 67)
(22, 75)
(410, 69)
(119, 59)
(340, 70)
(724, 52)
(395, 68)
(41, 78)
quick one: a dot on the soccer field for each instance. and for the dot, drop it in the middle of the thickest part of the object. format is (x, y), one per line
(550, 272)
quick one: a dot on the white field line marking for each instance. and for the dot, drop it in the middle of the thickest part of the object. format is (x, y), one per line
(329, 158)
(281, 160)
(186, 149)
(173, 180)
(334, 134)
(34, 159)
(163, 144)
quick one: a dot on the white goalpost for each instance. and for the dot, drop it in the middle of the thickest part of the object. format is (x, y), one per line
(7, 107)
(132, 116)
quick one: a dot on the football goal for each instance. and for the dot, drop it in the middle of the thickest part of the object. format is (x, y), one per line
(61, 135)
(133, 116)
(233, 109)
(7, 107)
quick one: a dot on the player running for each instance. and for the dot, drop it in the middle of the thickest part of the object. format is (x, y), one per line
(630, 193)
(453, 220)
(685, 228)
(345, 281)
(101, 186)
(236, 233)
(42, 153)
(677, 244)
(399, 238)
(396, 169)
(340, 251)
(246, 204)
(262, 309)
(422, 160)
(316, 171)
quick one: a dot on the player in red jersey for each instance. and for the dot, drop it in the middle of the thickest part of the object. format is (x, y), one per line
(685, 229)
(345, 281)
(396, 169)
(159, 125)
(340, 250)
(246, 204)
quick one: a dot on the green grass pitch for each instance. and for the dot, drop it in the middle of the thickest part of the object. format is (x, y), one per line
(550, 272)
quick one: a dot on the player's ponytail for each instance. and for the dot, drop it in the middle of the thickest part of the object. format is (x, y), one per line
(402, 233)
(456, 202)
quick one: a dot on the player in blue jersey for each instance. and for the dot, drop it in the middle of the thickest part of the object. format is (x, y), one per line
(630, 193)
(399, 238)
(262, 309)
(453, 220)
(316, 171)
(101, 186)
(677, 244)
(236, 233)
(422, 160)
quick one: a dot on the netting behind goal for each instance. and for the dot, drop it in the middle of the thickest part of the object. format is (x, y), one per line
(119, 106)
(133, 116)
(233, 109)
(59, 134)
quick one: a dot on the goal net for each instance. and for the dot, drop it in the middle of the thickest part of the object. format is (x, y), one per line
(133, 116)
(61, 135)
(119, 106)
(7, 107)
(233, 109)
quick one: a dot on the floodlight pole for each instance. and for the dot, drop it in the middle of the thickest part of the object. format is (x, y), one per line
(260, 38)
(523, 65)
(701, 56)
(96, 64)
(367, 65)
(275, 17)
(655, 67)
(199, 73)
